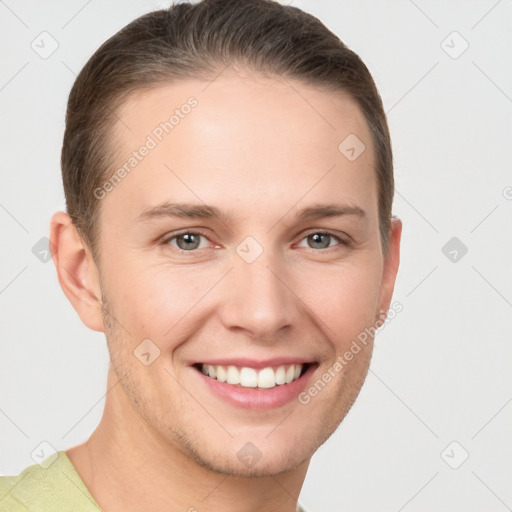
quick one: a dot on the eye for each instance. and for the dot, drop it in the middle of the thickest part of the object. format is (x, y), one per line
(188, 241)
(321, 240)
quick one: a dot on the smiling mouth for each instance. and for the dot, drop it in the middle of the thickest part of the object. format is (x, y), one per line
(247, 377)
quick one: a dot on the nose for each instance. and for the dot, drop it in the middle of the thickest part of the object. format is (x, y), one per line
(259, 300)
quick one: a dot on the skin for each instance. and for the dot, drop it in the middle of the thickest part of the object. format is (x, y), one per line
(257, 151)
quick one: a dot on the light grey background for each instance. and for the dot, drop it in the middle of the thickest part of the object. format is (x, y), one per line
(441, 368)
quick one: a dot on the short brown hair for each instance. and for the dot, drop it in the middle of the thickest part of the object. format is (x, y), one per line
(197, 41)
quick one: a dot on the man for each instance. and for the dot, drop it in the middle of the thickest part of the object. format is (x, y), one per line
(228, 177)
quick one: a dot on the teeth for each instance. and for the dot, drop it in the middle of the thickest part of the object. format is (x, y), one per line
(233, 375)
(289, 374)
(265, 378)
(280, 375)
(248, 378)
(221, 374)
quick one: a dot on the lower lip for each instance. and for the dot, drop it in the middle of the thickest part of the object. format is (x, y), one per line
(255, 398)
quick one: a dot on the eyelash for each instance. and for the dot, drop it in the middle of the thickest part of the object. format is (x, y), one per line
(341, 242)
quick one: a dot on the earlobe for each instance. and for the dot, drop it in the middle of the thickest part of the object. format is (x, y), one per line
(76, 270)
(391, 264)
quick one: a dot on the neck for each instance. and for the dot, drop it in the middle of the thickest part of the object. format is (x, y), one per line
(127, 466)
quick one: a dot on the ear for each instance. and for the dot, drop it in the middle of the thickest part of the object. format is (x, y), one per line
(391, 263)
(77, 272)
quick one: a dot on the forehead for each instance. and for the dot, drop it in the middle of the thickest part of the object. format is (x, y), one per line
(242, 138)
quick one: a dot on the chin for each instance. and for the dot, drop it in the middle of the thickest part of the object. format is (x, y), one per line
(266, 466)
(255, 454)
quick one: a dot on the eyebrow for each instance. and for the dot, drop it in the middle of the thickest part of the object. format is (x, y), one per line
(196, 211)
(182, 210)
(330, 210)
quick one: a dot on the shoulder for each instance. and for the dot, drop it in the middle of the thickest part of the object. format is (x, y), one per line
(53, 484)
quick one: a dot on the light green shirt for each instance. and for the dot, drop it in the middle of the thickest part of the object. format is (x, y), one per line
(58, 488)
(54, 489)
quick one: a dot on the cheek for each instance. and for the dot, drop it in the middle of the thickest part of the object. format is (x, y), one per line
(156, 301)
(345, 299)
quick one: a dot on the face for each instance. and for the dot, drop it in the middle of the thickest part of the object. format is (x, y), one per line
(243, 246)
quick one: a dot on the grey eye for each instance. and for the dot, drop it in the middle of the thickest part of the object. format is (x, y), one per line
(188, 241)
(319, 240)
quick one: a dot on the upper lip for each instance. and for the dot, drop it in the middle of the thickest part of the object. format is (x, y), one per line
(256, 363)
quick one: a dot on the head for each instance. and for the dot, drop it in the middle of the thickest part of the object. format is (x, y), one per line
(228, 176)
